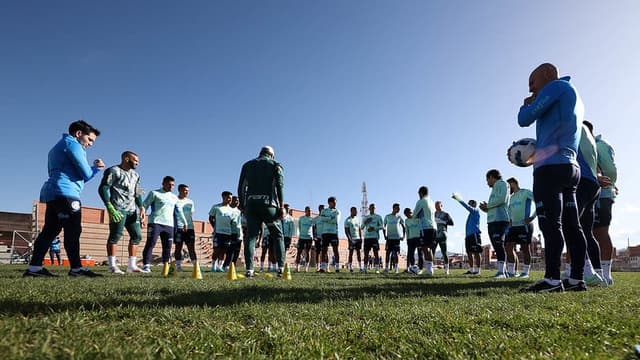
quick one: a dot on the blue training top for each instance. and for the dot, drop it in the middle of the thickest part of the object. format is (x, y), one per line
(68, 170)
(559, 112)
(473, 220)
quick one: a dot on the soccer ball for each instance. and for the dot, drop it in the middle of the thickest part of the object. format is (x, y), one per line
(414, 269)
(521, 153)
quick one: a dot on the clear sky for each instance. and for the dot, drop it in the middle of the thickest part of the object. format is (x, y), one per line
(395, 93)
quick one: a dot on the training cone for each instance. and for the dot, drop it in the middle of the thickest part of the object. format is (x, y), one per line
(165, 269)
(231, 275)
(287, 272)
(173, 271)
(196, 274)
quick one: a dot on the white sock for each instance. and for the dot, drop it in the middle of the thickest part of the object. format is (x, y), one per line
(606, 268)
(567, 270)
(446, 267)
(360, 265)
(600, 272)
(337, 266)
(500, 266)
(511, 268)
(525, 268)
(133, 261)
(430, 267)
(112, 261)
(552, 281)
(588, 268)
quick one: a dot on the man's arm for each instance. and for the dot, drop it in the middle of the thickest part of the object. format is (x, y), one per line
(499, 196)
(78, 157)
(539, 104)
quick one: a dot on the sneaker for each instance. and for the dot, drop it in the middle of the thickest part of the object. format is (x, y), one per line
(40, 273)
(542, 287)
(511, 275)
(500, 275)
(116, 270)
(475, 273)
(134, 269)
(279, 273)
(146, 269)
(351, 270)
(609, 281)
(524, 275)
(249, 275)
(386, 271)
(337, 270)
(84, 272)
(596, 280)
(580, 286)
(468, 272)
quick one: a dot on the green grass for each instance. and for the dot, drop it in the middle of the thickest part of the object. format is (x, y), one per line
(313, 316)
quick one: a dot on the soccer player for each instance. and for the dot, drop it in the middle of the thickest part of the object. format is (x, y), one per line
(223, 219)
(54, 251)
(472, 241)
(122, 196)
(233, 253)
(317, 236)
(260, 189)
(288, 227)
(372, 224)
(608, 193)
(425, 211)
(163, 209)
(354, 236)
(556, 107)
(68, 171)
(497, 217)
(330, 218)
(521, 214)
(413, 228)
(305, 237)
(443, 219)
(266, 252)
(182, 236)
(391, 226)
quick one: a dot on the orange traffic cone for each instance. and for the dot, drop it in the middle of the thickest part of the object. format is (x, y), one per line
(231, 275)
(196, 274)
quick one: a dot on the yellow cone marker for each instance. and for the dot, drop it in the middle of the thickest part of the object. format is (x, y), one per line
(240, 276)
(231, 275)
(196, 274)
(287, 272)
(165, 269)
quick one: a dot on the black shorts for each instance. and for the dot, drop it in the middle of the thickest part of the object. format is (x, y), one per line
(287, 242)
(497, 231)
(413, 243)
(393, 245)
(188, 237)
(304, 244)
(355, 244)
(222, 241)
(317, 244)
(473, 244)
(371, 243)
(603, 212)
(427, 237)
(266, 242)
(236, 243)
(520, 234)
(329, 239)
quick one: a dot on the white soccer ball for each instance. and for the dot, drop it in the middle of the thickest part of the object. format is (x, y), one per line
(414, 269)
(521, 153)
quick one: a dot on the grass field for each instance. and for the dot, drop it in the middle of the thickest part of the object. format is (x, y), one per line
(312, 316)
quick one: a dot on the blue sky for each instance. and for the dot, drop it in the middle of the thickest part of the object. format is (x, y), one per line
(395, 93)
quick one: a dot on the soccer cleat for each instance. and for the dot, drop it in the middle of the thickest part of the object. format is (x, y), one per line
(337, 270)
(524, 275)
(542, 286)
(84, 272)
(499, 275)
(609, 281)
(595, 280)
(386, 271)
(420, 272)
(511, 275)
(580, 286)
(40, 273)
(134, 269)
(116, 270)
(249, 275)
(468, 272)
(146, 269)
(475, 273)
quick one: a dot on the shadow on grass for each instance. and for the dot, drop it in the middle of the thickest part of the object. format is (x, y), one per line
(257, 293)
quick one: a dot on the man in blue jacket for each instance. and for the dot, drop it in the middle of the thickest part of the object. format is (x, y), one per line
(68, 171)
(556, 107)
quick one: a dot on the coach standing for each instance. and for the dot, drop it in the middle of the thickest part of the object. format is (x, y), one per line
(260, 191)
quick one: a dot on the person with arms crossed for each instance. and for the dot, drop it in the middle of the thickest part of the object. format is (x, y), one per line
(354, 236)
(443, 219)
(182, 236)
(521, 214)
(68, 171)
(260, 189)
(556, 107)
(371, 224)
(391, 226)
(424, 211)
(497, 217)
(122, 196)
(163, 205)
(305, 238)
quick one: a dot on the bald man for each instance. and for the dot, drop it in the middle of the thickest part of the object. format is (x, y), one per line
(556, 108)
